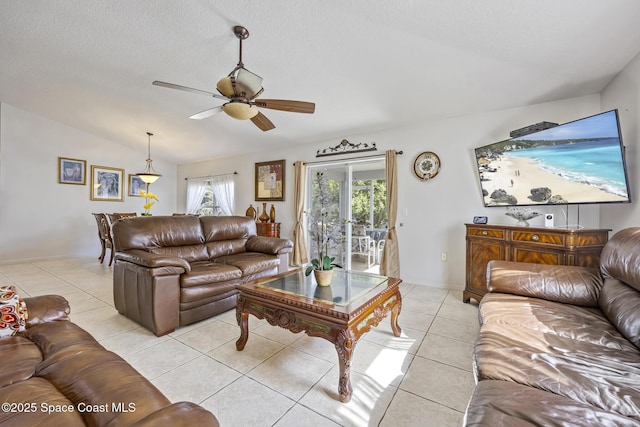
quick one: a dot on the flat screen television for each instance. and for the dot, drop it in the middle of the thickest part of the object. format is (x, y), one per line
(574, 163)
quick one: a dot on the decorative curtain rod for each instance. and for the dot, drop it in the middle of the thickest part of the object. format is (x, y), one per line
(381, 156)
(211, 176)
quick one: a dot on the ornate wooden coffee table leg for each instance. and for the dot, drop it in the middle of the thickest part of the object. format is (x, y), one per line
(395, 312)
(243, 321)
(345, 344)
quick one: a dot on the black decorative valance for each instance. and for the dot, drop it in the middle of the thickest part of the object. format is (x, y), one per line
(345, 147)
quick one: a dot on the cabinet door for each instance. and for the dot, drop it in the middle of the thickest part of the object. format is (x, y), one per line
(480, 252)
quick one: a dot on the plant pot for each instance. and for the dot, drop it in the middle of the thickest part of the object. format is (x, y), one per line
(323, 277)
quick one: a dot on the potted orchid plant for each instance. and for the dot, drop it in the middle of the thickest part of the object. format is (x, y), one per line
(324, 232)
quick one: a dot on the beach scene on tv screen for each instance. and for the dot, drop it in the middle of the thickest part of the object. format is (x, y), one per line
(578, 162)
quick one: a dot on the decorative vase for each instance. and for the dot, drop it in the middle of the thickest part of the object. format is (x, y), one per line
(272, 214)
(264, 217)
(323, 277)
(251, 212)
(522, 215)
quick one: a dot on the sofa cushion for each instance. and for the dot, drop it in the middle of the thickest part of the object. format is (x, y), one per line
(149, 232)
(503, 403)
(561, 283)
(567, 350)
(20, 359)
(225, 247)
(251, 262)
(13, 312)
(39, 391)
(83, 371)
(189, 253)
(46, 308)
(208, 272)
(621, 304)
(215, 228)
(620, 257)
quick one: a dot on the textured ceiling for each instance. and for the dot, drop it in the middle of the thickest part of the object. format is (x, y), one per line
(367, 64)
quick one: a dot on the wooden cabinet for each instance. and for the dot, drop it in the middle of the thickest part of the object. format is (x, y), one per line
(580, 247)
(268, 229)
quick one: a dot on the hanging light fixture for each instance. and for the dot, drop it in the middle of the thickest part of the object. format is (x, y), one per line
(149, 176)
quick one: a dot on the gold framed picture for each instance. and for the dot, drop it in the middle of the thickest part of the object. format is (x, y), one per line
(135, 185)
(270, 181)
(72, 171)
(107, 184)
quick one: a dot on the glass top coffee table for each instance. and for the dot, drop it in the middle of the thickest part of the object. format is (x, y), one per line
(341, 313)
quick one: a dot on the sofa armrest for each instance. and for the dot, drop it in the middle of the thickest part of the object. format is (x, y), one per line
(46, 308)
(180, 414)
(269, 245)
(561, 283)
(150, 260)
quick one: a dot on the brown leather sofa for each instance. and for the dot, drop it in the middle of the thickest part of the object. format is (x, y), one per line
(56, 374)
(560, 345)
(172, 271)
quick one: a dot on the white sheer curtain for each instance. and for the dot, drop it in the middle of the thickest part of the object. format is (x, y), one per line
(196, 187)
(224, 193)
(223, 188)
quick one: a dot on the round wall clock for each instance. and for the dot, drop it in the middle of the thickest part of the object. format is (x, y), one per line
(427, 165)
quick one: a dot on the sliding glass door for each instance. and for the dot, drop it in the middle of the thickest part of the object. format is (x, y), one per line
(357, 204)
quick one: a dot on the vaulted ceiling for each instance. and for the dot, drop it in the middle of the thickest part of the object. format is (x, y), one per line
(367, 64)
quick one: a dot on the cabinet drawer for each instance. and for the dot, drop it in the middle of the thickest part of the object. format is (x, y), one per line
(540, 238)
(493, 233)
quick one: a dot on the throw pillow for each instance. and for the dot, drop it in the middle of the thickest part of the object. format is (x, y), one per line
(13, 312)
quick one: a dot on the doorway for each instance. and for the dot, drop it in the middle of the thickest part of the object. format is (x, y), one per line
(357, 195)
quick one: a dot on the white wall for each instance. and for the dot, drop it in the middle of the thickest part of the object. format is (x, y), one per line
(40, 218)
(431, 214)
(623, 93)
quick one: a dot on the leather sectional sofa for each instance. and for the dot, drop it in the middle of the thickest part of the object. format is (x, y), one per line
(560, 345)
(172, 271)
(54, 373)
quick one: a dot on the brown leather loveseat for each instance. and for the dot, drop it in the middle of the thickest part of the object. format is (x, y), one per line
(54, 373)
(172, 271)
(560, 345)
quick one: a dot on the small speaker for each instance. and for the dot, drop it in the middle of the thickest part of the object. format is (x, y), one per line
(548, 220)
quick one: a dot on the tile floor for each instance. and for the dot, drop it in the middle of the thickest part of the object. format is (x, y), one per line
(423, 378)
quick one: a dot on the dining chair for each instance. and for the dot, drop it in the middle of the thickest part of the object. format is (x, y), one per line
(120, 215)
(104, 234)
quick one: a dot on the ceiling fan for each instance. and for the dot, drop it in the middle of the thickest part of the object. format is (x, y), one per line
(241, 89)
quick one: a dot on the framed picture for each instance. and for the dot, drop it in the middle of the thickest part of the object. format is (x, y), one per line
(135, 185)
(72, 171)
(107, 184)
(270, 181)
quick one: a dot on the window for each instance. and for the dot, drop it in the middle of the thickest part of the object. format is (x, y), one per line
(211, 195)
(368, 202)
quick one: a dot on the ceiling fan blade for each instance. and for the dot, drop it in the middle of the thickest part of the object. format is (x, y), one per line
(187, 89)
(286, 105)
(262, 122)
(206, 113)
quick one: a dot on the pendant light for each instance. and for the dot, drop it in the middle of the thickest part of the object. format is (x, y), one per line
(149, 176)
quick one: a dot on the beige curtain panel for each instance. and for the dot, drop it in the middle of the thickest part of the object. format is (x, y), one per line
(299, 254)
(390, 260)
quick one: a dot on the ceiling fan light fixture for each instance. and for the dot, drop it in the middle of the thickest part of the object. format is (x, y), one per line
(149, 176)
(248, 82)
(225, 86)
(240, 110)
